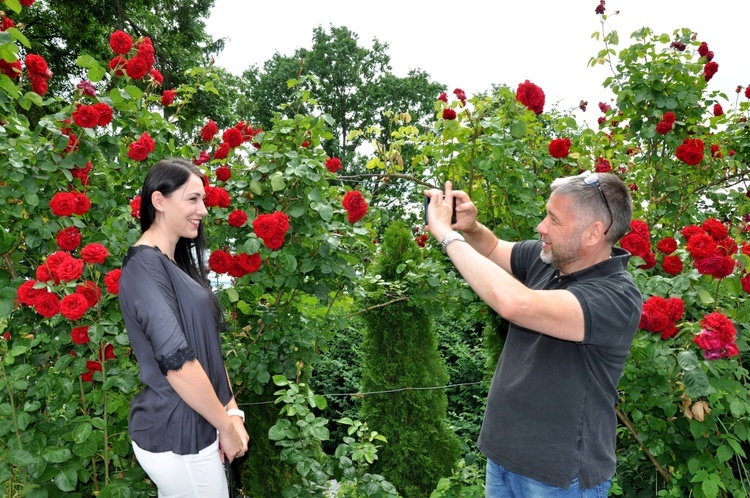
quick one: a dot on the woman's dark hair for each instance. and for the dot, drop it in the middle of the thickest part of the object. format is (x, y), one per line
(166, 176)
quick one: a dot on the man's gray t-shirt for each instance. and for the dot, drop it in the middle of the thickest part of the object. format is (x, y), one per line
(550, 410)
(170, 319)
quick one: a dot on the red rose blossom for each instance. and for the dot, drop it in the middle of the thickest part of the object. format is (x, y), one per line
(531, 96)
(233, 137)
(672, 265)
(667, 245)
(167, 97)
(94, 253)
(90, 291)
(73, 306)
(82, 204)
(701, 246)
(135, 207)
(120, 42)
(80, 335)
(47, 304)
(559, 147)
(237, 218)
(690, 151)
(709, 70)
(449, 114)
(222, 151)
(26, 293)
(92, 366)
(68, 239)
(333, 164)
(716, 229)
(663, 128)
(112, 281)
(271, 228)
(63, 203)
(117, 65)
(86, 116)
(355, 205)
(136, 68)
(223, 173)
(219, 261)
(141, 148)
(209, 131)
(105, 113)
(690, 230)
(243, 264)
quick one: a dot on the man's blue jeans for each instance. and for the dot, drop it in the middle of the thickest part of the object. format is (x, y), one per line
(502, 483)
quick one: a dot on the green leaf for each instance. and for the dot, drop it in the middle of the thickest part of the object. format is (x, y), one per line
(705, 297)
(687, 360)
(56, 455)
(20, 458)
(86, 61)
(277, 182)
(82, 432)
(66, 479)
(724, 453)
(696, 383)
(17, 35)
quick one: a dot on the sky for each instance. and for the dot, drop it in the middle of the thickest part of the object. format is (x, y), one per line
(473, 44)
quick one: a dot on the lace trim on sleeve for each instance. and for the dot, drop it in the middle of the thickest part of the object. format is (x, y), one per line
(176, 360)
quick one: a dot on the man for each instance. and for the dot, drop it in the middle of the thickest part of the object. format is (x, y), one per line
(550, 425)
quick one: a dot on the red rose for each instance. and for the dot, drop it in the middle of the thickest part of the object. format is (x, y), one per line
(715, 265)
(86, 116)
(146, 51)
(602, 165)
(690, 151)
(26, 292)
(333, 164)
(105, 113)
(654, 317)
(117, 65)
(691, 230)
(449, 114)
(663, 128)
(82, 204)
(745, 281)
(36, 65)
(718, 111)
(747, 92)
(675, 308)
(559, 147)
(94, 253)
(93, 366)
(709, 70)
(156, 75)
(209, 131)
(222, 151)
(141, 148)
(68, 270)
(120, 42)
(701, 246)
(716, 229)
(47, 304)
(233, 137)
(667, 245)
(672, 265)
(136, 68)
(112, 281)
(727, 246)
(68, 239)
(219, 261)
(355, 205)
(11, 69)
(223, 173)
(107, 352)
(635, 244)
(237, 218)
(444, 97)
(244, 264)
(531, 96)
(73, 306)
(90, 291)
(39, 84)
(63, 203)
(82, 173)
(703, 49)
(167, 97)
(80, 335)
(135, 207)
(271, 228)
(669, 117)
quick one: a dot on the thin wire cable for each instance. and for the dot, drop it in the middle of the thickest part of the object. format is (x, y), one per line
(387, 391)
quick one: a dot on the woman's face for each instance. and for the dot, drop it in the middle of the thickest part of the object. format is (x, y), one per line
(184, 209)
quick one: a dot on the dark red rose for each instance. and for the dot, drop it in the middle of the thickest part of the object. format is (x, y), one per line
(36, 65)
(689, 231)
(209, 131)
(112, 281)
(663, 128)
(667, 245)
(237, 218)
(68, 239)
(167, 97)
(222, 151)
(93, 366)
(135, 207)
(120, 42)
(333, 164)
(244, 264)
(105, 113)
(94, 253)
(635, 244)
(223, 173)
(701, 246)
(136, 68)
(715, 228)
(559, 147)
(47, 304)
(531, 96)
(86, 116)
(672, 264)
(709, 70)
(82, 204)
(73, 306)
(26, 292)
(63, 203)
(117, 65)
(449, 114)
(80, 335)
(141, 148)
(271, 228)
(355, 205)
(90, 291)
(233, 137)
(219, 261)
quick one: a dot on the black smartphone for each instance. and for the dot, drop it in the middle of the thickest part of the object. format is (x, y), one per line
(427, 202)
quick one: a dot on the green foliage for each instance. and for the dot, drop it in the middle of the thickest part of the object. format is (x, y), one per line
(421, 447)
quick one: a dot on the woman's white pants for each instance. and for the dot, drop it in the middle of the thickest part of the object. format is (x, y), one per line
(185, 476)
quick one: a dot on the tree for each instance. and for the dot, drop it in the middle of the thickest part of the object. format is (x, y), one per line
(400, 351)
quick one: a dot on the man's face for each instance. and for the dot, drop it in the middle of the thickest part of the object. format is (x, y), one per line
(560, 232)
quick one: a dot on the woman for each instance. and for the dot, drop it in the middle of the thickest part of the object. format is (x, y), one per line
(173, 321)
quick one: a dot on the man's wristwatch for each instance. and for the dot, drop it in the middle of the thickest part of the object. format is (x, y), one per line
(236, 412)
(450, 237)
